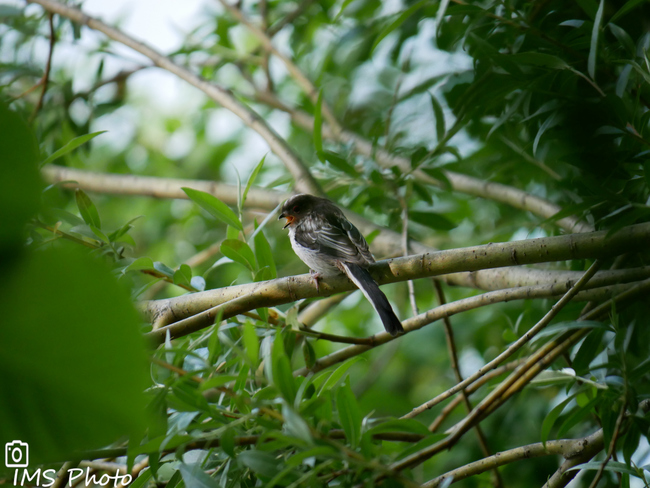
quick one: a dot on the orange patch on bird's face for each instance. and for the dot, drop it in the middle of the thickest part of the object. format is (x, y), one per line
(290, 219)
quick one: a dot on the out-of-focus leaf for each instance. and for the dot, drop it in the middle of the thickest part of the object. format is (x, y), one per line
(627, 7)
(239, 252)
(295, 424)
(71, 146)
(338, 374)
(198, 283)
(338, 162)
(399, 20)
(576, 416)
(89, 319)
(183, 275)
(251, 343)
(423, 444)
(400, 425)
(251, 179)
(309, 354)
(195, 477)
(264, 254)
(139, 264)
(282, 375)
(142, 479)
(87, 209)
(164, 269)
(593, 45)
(214, 207)
(349, 414)
(438, 115)
(217, 381)
(260, 462)
(433, 220)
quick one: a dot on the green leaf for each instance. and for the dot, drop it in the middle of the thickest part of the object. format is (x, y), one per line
(400, 425)
(216, 381)
(113, 236)
(576, 416)
(183, 275)
(439, 116)
(420, 445)
(240, 252)
(338, 374)
(72, 145)
(296, 425)
(338, 162)
(551, 418)
(539, 59)
(164, 269)
(142, 479)
(627, 7)
(264, 254)
(309, 354)
(260, 462)
(395, 24)
(84, 331)
(194, 477)
(87, 209)
(251, 343)
(432, 220)
(227, 441)
(251, 179)
(214, 207)
(318, 125)
(593, 45)
(349, 414)
(281, 370)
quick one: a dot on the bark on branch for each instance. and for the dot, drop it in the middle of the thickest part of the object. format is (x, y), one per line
(202, 308)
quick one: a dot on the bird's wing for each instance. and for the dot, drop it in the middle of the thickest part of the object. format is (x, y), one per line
(334, 236)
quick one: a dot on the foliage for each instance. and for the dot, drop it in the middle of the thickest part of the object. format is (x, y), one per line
(547, 97)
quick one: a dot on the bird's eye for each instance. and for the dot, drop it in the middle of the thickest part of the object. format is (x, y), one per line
(296, 209)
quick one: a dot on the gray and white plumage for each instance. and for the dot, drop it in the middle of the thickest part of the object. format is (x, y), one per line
(326, 241)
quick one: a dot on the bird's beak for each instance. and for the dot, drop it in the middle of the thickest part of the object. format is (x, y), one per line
(289, 218)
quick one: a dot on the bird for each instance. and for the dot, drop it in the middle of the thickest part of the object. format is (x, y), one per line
(326, 241)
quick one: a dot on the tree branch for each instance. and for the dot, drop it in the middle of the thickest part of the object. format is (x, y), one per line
(459, 182)
(284, 290)
(567, 448)
(304, 180)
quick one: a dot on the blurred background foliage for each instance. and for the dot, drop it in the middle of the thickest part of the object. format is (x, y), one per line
(548, 97)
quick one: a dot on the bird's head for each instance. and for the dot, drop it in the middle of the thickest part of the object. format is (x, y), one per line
(297, 207)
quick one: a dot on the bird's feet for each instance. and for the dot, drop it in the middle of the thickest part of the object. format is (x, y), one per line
(316, 277)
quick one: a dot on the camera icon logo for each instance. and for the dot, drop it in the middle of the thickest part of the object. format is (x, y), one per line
(16, 454)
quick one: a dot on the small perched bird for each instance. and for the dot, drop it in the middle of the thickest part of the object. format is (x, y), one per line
(327, 242)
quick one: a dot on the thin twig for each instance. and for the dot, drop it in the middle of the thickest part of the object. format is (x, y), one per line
(612, 447)
(437, 422)
(307, 86)
(405, 250)
(303, 178)
(289, 18)
(514, 347)
(453, 357)
(46, 75)
(64, 474)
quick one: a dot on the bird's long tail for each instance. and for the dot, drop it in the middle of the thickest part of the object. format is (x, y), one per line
(361, 277)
